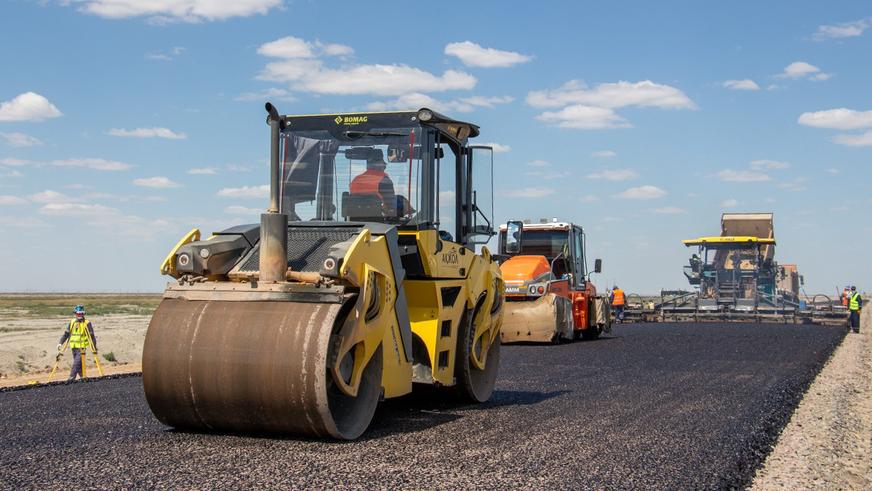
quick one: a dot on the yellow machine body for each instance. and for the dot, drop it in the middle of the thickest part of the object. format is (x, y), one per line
(365, 309)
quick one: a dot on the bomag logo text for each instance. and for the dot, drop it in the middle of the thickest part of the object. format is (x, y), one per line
(351, 120)
(450, 257)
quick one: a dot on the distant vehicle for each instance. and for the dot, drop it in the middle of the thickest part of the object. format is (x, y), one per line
(549, 295)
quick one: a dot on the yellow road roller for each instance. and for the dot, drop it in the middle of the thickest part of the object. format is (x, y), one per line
(360, 281)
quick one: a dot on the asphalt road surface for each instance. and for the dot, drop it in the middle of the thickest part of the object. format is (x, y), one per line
(650, 406)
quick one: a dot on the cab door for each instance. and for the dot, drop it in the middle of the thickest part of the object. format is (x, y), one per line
(578, 260)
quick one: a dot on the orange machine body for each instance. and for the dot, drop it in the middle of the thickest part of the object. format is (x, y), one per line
(529, 277)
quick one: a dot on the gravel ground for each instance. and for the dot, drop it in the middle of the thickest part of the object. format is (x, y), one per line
(828, 442)
(651, 406)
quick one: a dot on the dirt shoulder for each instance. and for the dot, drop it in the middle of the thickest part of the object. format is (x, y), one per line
(828, 442)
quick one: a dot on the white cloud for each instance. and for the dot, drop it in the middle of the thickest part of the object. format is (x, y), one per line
(584, 117)
(834, 171)
(11, 173)
(731, 175)
(801, 69)
(669, 210)
(92, 163)
(163, 11)
(474, 55)
(159, 182)
(291, 47)
(383, 80)
(417, 100)
(166, 56)
(843, 30)
(612, 95)
(287, 47)
(238, 167)
(531, 192)
(86, 163)
(589, 199)
(20, 140)
(862, 140)
(334, 49)
(11, 162)
(242, 210)
(245, 192)
(305, 72)
(593, 108)
(199, 171)
(266, 94)
(158, 56)
(642, 192)
(730, 203)
(498, 147)
(614, 174)
(539, 163)
(745, 84)
(28, 106)
(604, 154)
(840, 119)
(50, 196)
(769, 164)
(147, 133)
(6, 200)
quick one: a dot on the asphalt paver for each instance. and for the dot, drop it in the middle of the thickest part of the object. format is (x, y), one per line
(648, 406)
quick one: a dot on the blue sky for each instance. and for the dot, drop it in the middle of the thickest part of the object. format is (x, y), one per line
(124, 123)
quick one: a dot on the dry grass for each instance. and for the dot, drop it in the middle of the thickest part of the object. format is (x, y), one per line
(44, 306)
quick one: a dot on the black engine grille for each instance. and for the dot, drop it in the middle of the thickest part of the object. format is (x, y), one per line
(307, 247)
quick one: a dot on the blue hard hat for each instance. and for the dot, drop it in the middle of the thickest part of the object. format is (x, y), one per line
(79, 308)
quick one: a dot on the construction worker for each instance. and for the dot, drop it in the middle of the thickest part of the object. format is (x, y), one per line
(845, 295)
(618, 301)
(374, 181)
(855, 304)
(79, 331)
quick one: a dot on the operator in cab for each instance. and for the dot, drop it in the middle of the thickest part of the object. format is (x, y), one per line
(375, 181)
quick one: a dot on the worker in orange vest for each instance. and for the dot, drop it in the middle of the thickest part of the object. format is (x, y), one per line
(845, 295)
(375, 181)
(618, 301)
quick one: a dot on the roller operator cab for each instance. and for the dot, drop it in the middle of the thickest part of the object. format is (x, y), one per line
(360, 280)
(549, 295)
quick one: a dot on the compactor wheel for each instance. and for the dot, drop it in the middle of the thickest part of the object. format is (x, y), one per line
(474, 384)
(592, 332)
(253, 366)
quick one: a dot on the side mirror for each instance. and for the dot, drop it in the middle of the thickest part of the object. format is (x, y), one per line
(598, 266)
(514, 231)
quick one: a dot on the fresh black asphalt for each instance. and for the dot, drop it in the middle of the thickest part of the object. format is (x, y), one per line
(663, 406)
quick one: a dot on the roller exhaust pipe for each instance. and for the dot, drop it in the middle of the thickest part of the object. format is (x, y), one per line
(274, 225)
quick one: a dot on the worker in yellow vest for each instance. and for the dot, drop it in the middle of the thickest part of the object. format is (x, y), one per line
(855, 304)
(80, 332)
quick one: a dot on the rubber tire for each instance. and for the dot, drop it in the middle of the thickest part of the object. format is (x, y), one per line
(591, 333)
(474, 385)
